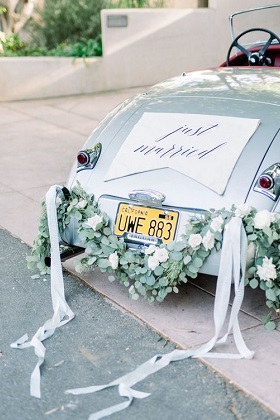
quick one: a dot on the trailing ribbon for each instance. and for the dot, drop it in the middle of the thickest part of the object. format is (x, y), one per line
(62, 312)
(232, 270)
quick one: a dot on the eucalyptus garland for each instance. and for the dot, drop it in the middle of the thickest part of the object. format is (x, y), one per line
(160, 270)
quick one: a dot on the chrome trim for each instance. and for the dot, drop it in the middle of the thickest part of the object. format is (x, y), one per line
(255, 9)
(147, 196)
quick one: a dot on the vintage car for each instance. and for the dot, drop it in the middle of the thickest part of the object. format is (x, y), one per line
(205, 139)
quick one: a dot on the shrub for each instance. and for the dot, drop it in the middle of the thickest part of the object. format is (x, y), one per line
(137, 3)
(68, 22)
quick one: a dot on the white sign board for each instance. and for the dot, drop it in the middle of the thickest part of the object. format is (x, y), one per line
(203, 147)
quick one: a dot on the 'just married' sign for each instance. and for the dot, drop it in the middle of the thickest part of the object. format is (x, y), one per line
(203, 147)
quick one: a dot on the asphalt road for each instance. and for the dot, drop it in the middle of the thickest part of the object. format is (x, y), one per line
(99, 345)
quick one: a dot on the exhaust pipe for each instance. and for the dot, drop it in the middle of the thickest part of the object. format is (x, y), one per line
(65, 255)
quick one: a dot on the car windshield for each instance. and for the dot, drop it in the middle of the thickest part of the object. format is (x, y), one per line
(266, 17)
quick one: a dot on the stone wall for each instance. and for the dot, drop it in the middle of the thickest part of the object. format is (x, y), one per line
(149, 46)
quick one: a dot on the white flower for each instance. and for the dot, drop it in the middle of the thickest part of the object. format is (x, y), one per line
(242, 210)
(263, 219)
(161, 254)
(153, 262)
(114, 260)
(195, 240)
(267, 270)
(94, 221)
(82, 204)
(150, 249)
(208, 240)
(216, 224)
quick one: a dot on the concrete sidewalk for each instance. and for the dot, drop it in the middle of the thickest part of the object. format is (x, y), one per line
(39, 141)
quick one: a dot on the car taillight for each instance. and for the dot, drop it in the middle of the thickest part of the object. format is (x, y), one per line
(88, 158)
(83, 158)
(266, 182)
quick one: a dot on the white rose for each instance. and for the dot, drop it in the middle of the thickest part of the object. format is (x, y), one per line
(82, 204)
(195, 240)
(94, 221)
(153, 262)
(263, 219)
(114, 260)
(216, 224)
(242, 210)
(267, 270)
(161, 254)
(150, 249)
(208, 240)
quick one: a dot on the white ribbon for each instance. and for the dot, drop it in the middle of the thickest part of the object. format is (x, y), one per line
(62, 312)
(232, 269)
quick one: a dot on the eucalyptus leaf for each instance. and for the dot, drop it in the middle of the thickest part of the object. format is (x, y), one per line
(170, 246)
(203, 253)
(270, 295)
(192, 268)
(150, 280)
(163, 281)
(267, 231)
(191, 274)
(218, 246)
(143, 279)
(182, 275)
(91, 260)
(161, 294)
(252, 237)
(107, 231)
(254, 283)
(158, 270)
(105, 240)
(251, 270)
(187, 259)
(176, 256)
(179, 246)
(142, 290)
(197, 262)
(270, 325)
(249, 229)
(218, 236)
(103, 263)
(275, 236)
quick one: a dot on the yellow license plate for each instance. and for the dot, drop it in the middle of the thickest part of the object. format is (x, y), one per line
(140, 222)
